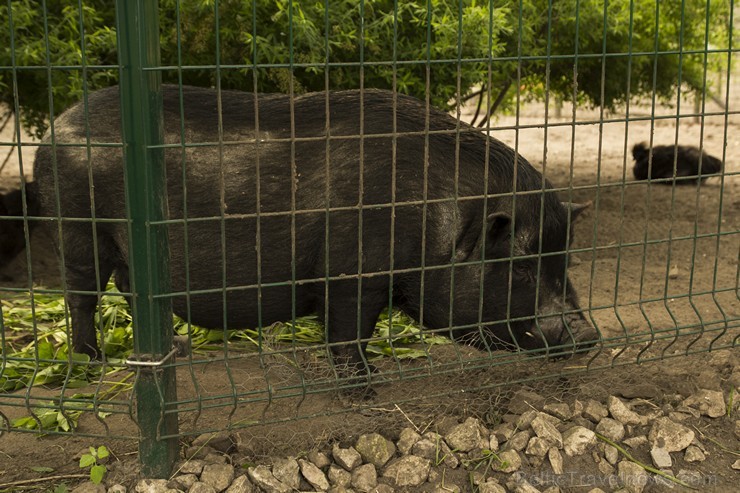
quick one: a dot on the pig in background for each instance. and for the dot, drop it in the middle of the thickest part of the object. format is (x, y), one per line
(12, 235)
(689, 161)
(438, 237)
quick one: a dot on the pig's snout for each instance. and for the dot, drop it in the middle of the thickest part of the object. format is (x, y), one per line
(563, 334)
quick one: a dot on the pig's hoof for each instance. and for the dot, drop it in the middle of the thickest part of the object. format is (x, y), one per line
(182, 344)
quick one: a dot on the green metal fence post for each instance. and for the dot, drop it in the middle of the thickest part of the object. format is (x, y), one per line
(142, 128)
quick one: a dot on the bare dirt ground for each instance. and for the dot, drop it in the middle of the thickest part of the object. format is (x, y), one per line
(658, 275)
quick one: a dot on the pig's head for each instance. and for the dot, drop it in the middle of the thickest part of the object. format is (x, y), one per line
(529, 302)
(12, 238)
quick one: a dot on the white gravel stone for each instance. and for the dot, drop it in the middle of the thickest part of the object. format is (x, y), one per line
(622, 413)
(606, 469)
(148, 486)
(611, 454)
(547, 431)
(633, 477)
(193, 466)
(348, 458)
(491, 487)
(551, 419)
(341, 489)
(425, 448)
(509, 461)
(313, 475)
(364, 478)
(538, 447)
(503, 432)
(219, 476)
(319, 459)
(687, 412)
(518, 441)
(407, 439)
(556, 460)
(525, 420)
(670, 435)
(241, 485)
(693, 454)
(383, 488)
(493, 443)
(200, 487)
(635, 442)
(525, 487)
(577, 440)
(186, 481)
(690, 477)
(375, 449)
(709, 402)
(215, 458)
(594, 410)
(577, 408)
(558, 409)
(465, 436)
(661, 457)
(287, 471)
(408, 470)
(339, 476)
(664, 482)
(263, 478)
(611, 429)
(444, 453)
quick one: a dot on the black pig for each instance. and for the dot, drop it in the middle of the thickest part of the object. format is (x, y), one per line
(12, 237)
(688, 161)
(342, 211)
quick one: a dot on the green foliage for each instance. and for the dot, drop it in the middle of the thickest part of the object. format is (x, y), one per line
(97, 471)
(441, 48)
(53, 416)
(64, 46)
(338, 31)
(37, 353)
(622, 30)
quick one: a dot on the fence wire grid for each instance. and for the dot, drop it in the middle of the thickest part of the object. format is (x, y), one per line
(327, 167)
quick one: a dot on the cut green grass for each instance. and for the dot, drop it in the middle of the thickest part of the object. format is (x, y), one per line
(36, 352)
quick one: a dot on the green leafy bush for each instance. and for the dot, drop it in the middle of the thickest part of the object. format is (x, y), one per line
(445, 49)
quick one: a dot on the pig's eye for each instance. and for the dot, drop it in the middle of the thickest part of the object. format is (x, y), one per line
(525, 270)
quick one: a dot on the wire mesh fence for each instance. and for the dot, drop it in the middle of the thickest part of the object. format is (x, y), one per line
(337, 176)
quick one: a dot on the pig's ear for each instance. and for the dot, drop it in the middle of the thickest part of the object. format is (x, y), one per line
(576, 209)
(498, 225)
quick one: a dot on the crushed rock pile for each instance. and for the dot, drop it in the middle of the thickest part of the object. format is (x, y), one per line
(536, 447)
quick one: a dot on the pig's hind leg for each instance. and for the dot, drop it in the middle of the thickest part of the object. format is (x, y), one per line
(84, 281)
(348, 333)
